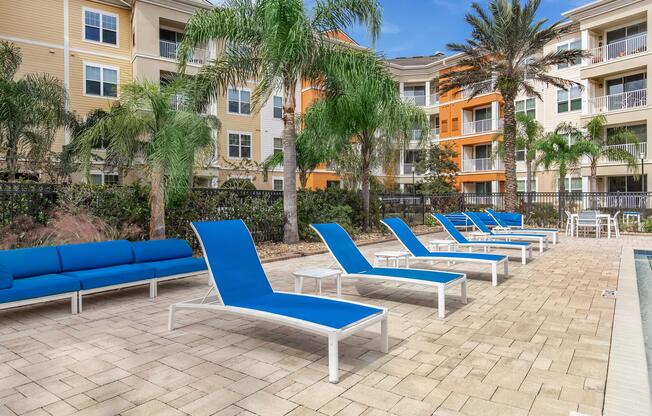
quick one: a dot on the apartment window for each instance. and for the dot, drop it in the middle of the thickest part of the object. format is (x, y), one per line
(415, 94)
(520, 185)
(169, 42)
(278, 184)
(526, 106)
(278, 145)
(100, 81)
(569, 100)
(239, 101)
(574, 44)
(626, 40)
(278, 107)
(482, 151)
(239, 145)
(100, 27)
(483, 187)
(572, 184)
(639, 130)
(105, 178)
(333, 184)
(627, 92)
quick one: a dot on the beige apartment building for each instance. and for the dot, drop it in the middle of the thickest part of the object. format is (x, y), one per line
(95, 46)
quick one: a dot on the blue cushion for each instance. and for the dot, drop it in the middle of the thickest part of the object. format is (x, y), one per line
(231, 255)
(450, 228)
(6, 278)
(343, 248)
(95, 255)
(155, 250)
(39, 286)
(460, 255)
(424, 275)
(115, 275)
(166, 268)
(328, 312)
(27, 262)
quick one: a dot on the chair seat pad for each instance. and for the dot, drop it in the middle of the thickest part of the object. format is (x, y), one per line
(547, 230)
(429, 276)
(39, 286)
(114, 275)
(516, 235)
(322, 311)
(499, 243)
(173, 267)
(466, 256)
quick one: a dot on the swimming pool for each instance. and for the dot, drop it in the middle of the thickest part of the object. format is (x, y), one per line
(643, 262)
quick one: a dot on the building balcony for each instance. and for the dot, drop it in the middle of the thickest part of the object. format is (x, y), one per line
(627, 47)
(481, 165)
(422, 100)
(636, 149)
(434, 99)
(434, 133)
(170, 50)
(616, 102)
(407, 168)
(482, 126)
(482, 87)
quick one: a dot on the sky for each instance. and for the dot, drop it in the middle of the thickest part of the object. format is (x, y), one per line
(423, 27)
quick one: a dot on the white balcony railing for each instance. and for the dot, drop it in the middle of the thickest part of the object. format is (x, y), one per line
(615, 102)
(481, 126)
(407, 168)
(477, 165)
(634, 148)
(178, 102)
(434, 133)
(170, 50)
(626, 47)
(434, 99)
(418, 100)
(482, 87)
(416, 134)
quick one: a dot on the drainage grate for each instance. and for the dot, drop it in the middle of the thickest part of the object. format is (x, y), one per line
(609, 294)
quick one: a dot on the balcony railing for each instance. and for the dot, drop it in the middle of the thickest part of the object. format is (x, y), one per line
(416, 134)
(434, 99)
(615, 102)
(481, 126)
(407, 168)
(178, 102)
(434, 133)
(477, 165)
(626, 47)
(418, 100)
(170, 50)
(634, 148)
(482, 87)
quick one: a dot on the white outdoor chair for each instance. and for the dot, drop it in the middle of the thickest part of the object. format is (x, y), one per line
(569, 222)
(614, 221)
(587, 220)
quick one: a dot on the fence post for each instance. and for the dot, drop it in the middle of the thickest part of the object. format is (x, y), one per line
(560, 204)
(423, 209)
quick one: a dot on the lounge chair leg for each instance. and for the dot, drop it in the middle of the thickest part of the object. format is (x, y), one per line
(171, 318)
(541, 246)
(79, 303)
(441, 302)
(153, 288)
(506, 267)
(384, 335)
(494, 274)
(74, 304)
(523, 256)
(463, 292)
(333, 359)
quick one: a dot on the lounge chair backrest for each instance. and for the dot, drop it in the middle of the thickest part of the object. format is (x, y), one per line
(496, 216)
(344, 250)
(587, 217)
(475, 219)
(450, 228)
(231, 257)
(406, 237)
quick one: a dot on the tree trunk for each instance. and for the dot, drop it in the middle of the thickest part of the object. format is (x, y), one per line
(156, 205)
(291, 227)
(12, 157)
(303, 178)
(593, 185)
(509, 134)
(365, 154)
(528, 186)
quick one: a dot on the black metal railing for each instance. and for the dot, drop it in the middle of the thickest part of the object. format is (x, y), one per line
(26, 198)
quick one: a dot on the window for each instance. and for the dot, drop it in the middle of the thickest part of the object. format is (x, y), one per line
(569, 101)
(278, 107)
(100, 81)
(627, 92)
(526, 106)
(574, 44)
(333, 184)
(520, 185)
(483, 187)
(278, 184)
(626, 40)
(100, 27)
(105, 178)
(239, 101)
(572, 184)
(639, 130)
(168, 43)
(278, 145)
(239, 145)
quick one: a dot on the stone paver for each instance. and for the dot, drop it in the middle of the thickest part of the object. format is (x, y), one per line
(537, 344)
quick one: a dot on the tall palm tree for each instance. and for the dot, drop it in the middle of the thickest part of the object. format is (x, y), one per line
(505, 44)
(32, 108)
(144, 127)
(604, 146)
(368, 115)
(278, 44)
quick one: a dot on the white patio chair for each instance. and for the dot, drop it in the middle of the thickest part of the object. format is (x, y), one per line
(569, 222)
(587, 220)
(614, 221)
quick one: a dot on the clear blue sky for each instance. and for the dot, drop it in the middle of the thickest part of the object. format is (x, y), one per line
(422, 27)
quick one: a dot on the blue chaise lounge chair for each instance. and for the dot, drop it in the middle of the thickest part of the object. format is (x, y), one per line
(354, 264)
(485, 232)
(526, 248)
(505, 227)
(418, 251)
(241, 287)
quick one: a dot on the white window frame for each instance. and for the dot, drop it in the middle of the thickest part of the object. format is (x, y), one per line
(568, 43)
(100, 42)
(228, 110)
(102, 68)
(274, 148)
(482, 107)
(623, 25)
(274, 181)
(240, 134)
(525, 109)
(103, 175)
(568, 101)
(534, 179)
(569, 181)
(274, 107)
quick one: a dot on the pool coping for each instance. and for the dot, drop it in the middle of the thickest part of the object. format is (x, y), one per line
(627, 390)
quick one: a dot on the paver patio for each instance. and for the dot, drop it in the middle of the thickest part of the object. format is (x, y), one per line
(536, 344)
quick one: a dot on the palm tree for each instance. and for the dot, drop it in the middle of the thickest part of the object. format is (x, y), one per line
(278, 44)
(367, 118)
(32, 108)
(503, 48)
(604, 146)
(143, 126)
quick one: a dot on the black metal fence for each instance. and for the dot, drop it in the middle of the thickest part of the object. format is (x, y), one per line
(31, 199)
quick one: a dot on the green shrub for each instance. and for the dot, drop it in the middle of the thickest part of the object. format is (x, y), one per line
(647, 225)
(543, 215)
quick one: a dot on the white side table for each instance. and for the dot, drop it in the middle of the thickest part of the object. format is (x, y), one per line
(394, 256)
(318, 274)
(438, 245)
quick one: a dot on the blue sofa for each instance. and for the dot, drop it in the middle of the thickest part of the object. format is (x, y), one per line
(41, 274)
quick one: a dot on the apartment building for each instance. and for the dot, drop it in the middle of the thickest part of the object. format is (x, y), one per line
(95, 46)
(614, 84)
